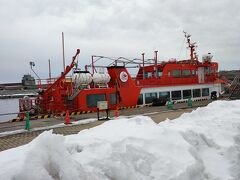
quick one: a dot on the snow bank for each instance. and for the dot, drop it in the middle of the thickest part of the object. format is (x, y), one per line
(204, 144)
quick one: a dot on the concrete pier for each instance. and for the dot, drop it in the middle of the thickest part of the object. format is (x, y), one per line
(18, 93)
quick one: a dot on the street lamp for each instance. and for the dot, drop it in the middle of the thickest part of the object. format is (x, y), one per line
(32, 64)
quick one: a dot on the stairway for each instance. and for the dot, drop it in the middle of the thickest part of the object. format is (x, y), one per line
(235, 88)
(76, 92)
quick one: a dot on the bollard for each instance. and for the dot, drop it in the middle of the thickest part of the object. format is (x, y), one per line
(189, 102)
(170, 104)
(27, 126)
(67, 118)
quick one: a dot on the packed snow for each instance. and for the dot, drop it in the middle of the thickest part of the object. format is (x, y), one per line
(201, 145)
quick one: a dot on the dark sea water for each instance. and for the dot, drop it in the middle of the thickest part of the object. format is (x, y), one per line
(8, 106)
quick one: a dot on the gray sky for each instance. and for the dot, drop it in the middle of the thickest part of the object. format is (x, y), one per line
(31, 31)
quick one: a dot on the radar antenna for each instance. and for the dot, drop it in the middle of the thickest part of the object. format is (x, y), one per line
(192, 46)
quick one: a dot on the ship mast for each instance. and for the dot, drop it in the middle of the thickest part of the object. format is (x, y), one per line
(192, 46)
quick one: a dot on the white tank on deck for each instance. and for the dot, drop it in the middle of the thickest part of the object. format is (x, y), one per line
(82, 77)
(101, 78)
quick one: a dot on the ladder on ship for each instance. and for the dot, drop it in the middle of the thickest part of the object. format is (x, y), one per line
(235, 88)
(75, 94)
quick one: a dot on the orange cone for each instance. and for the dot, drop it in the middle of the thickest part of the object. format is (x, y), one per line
(116, 112)
(67, 118)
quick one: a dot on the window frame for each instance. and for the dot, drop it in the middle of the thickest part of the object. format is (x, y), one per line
(176, 75)
(150, 97)
(176, 98)
(94, 101)
(188, 74)
(112, 101)
(186, 97)
(168, 96)
(140, 99)
(193, 93)
(204, 95)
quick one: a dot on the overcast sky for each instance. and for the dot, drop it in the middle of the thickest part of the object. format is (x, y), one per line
(30, 30)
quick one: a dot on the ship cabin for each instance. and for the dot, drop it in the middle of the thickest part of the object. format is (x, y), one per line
(177, 81)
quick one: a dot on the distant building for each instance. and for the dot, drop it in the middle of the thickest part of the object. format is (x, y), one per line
(230, 75)
(28, 81)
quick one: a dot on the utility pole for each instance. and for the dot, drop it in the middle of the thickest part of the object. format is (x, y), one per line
(49, 70)
(63, 51)
(156, 70)
(143, 64)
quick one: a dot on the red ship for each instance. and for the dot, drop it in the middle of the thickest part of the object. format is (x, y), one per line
(155, 83)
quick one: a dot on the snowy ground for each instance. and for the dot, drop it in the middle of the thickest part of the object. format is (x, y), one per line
(204, 144)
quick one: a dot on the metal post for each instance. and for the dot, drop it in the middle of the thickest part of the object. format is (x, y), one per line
(49, 69)
(98, 116)
(63, 52)
(189, 102)
(107, 110)
(143, 66)
(32, 64)
(170, 104)
(156, 63)
(92, 66)
(27, 126)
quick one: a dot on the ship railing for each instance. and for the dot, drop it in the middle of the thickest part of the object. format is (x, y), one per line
(44, 83)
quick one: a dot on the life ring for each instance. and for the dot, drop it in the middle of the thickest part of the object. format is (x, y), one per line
(27, 103)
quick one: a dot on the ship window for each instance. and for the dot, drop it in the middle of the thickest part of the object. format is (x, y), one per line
(207, 70)
(112, 98)
(145, 75)
(159, 73)
(193, 72)
(196, 93)
(148, 75)
(205, 92)
(169, 73)
(187, 94)
(186, 72)
(176, 73)
(176, 95)
(140, 99)
(164, 95)
(149, 97)
(92, 99)
(212, 70)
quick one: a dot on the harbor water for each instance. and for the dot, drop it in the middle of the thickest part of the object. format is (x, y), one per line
(8, 106)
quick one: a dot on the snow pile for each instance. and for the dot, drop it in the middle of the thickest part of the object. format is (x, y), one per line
(204, 144)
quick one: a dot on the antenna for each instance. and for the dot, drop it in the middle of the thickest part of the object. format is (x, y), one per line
(49, 69)
(192, 46)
